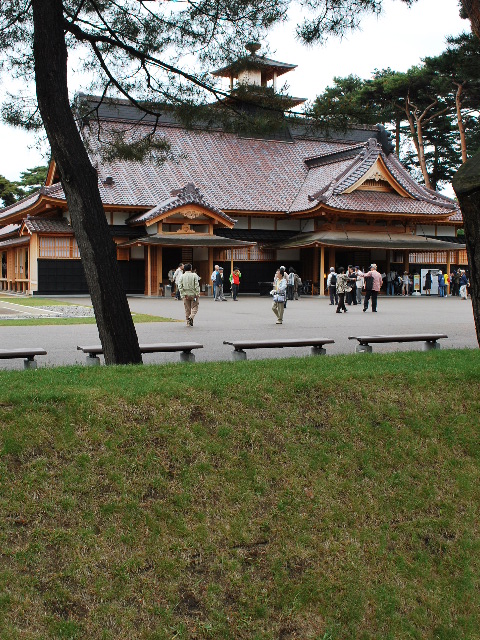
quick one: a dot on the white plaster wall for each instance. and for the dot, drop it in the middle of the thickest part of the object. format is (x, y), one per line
(288, 255)
(137, 253)
(152, 229)
(425, 230)
(446, 231)
(288, 225)
(241, 223)
(119, 217)
(263, 223)
(66, 216)
(307, 226)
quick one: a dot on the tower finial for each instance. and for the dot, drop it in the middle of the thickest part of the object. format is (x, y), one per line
(253, 47)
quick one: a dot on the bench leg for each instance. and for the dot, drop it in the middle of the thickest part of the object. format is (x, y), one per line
(92, 361)
(187, 356)
(239, 354)
(428, 346)
(318, 351)
(30, 363)
(363, 348)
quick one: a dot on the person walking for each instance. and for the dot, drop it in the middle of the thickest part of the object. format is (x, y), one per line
(332, 286)
(351, 291)
(235, 281)
(290, 283)
(343, 285)
(391, 275)
(427, 287)
(441, 285)
(189, 287)
(360, 282)
(171, 278)
(296, 286)
(279, 293)
(219, 286)
(405, 283)
(373, 284)
(213, 278)
(463, 285)
(177, 275)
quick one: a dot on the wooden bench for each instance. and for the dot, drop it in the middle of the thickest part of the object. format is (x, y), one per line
(430, 340)
(240, 345)
(185, 348)
(28, 354)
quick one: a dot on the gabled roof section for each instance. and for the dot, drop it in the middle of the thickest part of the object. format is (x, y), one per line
(254, 62)
(9, 230)
(179, 198)
(46, 225)
(341, 179)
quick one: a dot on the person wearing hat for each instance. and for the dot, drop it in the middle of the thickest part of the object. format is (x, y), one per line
(219, 286)
(463, 285)
(373, 284)
(332, 286)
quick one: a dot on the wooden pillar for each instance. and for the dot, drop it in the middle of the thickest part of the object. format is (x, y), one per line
(448, 271)
(405, 260)
(159, 268)
(149, 270)
(231, 259)
(315, 266)
(331, 257)
(322, 271)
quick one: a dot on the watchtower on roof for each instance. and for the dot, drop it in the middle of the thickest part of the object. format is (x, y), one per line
(256, 71)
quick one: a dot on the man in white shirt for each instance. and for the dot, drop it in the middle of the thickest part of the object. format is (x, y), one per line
(332, 286)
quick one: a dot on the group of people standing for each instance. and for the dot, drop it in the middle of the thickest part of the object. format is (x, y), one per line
(218, 283)
(346, 287)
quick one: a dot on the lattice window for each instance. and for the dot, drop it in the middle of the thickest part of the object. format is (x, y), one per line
(58, 247)
(428, 257)
(250, 253)
(462, 257)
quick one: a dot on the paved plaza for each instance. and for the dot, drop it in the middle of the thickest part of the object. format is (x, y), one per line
(251, 318)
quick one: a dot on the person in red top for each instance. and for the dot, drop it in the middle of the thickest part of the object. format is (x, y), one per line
(373, 284)
(235, 280)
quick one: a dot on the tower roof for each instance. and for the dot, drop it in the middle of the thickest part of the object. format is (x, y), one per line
(267, 66)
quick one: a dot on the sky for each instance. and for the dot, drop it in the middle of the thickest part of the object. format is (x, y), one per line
(399, 38)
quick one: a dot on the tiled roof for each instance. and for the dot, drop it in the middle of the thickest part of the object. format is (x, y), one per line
(9, 230)
(368, 240)
(232, 173)
(189, 194)
(189, 240)
(334, 178)
(11, 242)
(47, 225)
(457, 217)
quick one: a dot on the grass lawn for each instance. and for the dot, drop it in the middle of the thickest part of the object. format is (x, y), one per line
(332, 498)
(39, 302)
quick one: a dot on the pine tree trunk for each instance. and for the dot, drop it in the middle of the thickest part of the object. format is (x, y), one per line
(79, 180)
(421, 154)
(466, 183)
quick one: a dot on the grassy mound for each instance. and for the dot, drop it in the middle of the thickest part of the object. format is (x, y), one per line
(328, 497)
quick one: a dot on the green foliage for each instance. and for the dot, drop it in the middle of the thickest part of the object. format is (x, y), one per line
(418, 103)
(9, 191)
(30, 180)
(136, 504)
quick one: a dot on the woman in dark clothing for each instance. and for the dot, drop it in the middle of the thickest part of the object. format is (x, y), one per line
(428, 283)
(343, 283)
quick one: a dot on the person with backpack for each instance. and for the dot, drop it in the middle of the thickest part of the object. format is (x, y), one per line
(332, 286)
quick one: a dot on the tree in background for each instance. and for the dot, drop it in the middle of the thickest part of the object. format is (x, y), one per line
(9, 191)
(30, 180)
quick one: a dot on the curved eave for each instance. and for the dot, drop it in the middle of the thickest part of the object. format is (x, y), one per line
(322, 209)
(42, 204)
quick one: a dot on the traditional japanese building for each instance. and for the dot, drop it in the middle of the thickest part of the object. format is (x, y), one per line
(295, 196)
